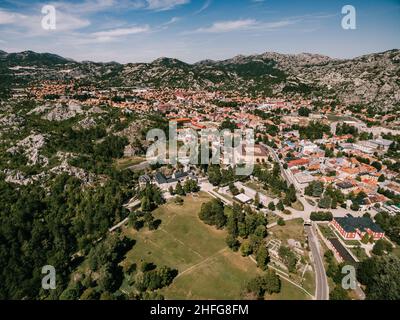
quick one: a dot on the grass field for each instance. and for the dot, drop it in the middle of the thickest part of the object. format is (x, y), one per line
(297, 205)
(326, 231)
(293, 229)
(207, 268)
(309, 282)
(396, 251)
(257, 186)
(222, 276)
(288, 292)
(271, 217)
(334, 117)
(124, 163)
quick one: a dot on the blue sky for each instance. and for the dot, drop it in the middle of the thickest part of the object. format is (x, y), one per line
(193, 30)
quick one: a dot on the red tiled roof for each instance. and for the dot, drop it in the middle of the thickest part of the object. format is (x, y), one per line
(298, 162)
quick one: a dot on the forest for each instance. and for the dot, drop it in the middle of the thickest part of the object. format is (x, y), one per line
(47, 227)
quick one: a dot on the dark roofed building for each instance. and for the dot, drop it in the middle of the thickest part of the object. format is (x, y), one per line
(352, 227)
(344, 185)
(160, 178)
(178, 175)
(341, 250)
(165, 182)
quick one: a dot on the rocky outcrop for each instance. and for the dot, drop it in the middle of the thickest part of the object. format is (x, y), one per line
(30, 147)
(371, 79)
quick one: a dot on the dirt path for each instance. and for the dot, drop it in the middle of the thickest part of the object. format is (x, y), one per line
(201, 262)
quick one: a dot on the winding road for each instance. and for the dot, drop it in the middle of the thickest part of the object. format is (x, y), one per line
(321, 281)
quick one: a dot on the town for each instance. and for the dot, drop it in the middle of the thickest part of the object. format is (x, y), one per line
(324, 179)
(205, 158)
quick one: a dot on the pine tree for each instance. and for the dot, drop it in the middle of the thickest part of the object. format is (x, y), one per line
(262, 258)
(146, 204)
(280, 206)
(179, 190)
(271, 206)
(257, 200)
(232, 242)
(246, 249)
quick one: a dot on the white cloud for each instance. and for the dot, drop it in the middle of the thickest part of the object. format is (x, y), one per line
(93, 6)
(228, 26)
(7, 17)
(116, 33)
(204, 7)
(172, 21)
(31, 24)
(163, 5)
(87, 6)
(243, 24)
(68, 22)
(277, 24)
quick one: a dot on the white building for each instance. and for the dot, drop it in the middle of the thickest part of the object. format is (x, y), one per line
(381, 144)
(308, 147)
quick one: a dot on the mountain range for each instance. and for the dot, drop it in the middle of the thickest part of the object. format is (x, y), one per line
(372, 79)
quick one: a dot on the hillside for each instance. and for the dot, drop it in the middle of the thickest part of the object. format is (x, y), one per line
(372, 79)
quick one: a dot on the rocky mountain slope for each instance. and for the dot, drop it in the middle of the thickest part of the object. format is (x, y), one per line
(372, 79)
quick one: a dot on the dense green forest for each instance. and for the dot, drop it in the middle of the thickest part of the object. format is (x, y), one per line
(63, 221)
(41, 227)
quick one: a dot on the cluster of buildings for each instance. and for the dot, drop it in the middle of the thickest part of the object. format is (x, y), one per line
(355, 228)
(348, 168)
(165, 180)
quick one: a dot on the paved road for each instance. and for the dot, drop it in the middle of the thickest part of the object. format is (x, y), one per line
(130, 205)
(321, 281)
(286, 173)
(276, 159)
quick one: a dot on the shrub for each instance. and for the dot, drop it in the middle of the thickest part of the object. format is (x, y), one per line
(321, 216)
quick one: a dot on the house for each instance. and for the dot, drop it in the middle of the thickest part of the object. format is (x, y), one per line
(314, 167)
(391, 209)
(303, 178)
(393, 187)
(308, 147)
(242, 198)
(356, 227)
(165, 182)
(376, 198)
(345, 186)
(298, 162)
(381, 144)
(249, 154)
(260, 154)
(363, 147)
